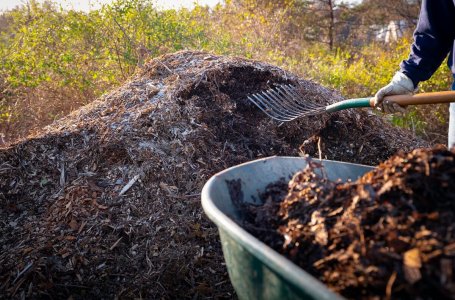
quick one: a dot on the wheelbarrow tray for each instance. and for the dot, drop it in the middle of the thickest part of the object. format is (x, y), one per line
(257, 271)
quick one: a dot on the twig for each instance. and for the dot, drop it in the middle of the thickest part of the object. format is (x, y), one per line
(185, 196)
(167, 68)
(129, 185)
(115, 244)
(319, 148)
(72, 285)
(220, 283)
(192, 195)
(388, 289)
(27, 267)
(124, 32)
(62, 175)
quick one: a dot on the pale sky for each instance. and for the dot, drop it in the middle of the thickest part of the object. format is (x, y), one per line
(87, 4)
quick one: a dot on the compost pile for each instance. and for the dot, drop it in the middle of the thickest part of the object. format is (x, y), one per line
(105, 202)
(390, 234)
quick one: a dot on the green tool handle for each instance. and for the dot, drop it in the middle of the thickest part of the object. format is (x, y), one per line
(403, 100)
(351, 103)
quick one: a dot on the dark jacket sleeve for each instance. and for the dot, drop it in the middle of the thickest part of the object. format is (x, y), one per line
(433, 39)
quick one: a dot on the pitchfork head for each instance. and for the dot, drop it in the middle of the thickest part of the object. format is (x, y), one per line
(285, 103)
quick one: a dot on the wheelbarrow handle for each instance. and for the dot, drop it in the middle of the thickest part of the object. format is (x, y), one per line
(422, 98)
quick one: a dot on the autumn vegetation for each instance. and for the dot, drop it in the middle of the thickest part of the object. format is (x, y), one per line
(55, 60)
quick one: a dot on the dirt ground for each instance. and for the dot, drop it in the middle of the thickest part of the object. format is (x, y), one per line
(104, 203)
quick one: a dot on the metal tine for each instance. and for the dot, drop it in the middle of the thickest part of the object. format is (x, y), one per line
(272, 108)
(298, 98)
(310, 108)
(258, 102)
(270, 112)
(294, 105)
(275, 106)
(281, 103)
(285, 93)
(284, 104)
(264, 110)
(291, 106)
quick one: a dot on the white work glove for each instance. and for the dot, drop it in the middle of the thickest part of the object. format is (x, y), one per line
(400, 85)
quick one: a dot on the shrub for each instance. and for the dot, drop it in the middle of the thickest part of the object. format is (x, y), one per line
(54, 60)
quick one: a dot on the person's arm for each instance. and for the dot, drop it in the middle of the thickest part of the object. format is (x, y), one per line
(433, 39)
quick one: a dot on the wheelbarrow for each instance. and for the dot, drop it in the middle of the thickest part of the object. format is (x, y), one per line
(257, 271)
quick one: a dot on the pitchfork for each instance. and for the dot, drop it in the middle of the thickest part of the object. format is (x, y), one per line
(285, 102)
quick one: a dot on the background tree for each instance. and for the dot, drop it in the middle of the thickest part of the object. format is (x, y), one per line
(54, 60)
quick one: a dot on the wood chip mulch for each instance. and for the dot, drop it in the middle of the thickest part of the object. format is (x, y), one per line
(388, 235)
(104, 203)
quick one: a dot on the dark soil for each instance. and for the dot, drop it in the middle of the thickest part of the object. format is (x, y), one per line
(390, 234)
(104, 203)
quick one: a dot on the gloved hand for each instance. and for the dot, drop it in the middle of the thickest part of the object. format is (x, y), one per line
(400, 85)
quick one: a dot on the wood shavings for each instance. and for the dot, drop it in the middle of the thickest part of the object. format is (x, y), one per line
(389, 234)
(179, 120)
(412, 265)
(116, 243)
(129, 185)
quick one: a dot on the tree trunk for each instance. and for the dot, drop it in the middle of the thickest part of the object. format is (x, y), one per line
(331, 24)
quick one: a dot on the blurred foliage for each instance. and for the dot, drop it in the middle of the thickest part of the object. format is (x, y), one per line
(54, 60)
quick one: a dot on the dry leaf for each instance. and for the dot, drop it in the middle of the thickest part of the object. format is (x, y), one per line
(73, 225)
(411, 258)
(411, 265)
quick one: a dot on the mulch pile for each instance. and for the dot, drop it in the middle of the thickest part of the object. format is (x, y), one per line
(390, 234)
(105, 202)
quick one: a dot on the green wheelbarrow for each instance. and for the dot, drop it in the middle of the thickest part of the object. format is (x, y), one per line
(256, 271)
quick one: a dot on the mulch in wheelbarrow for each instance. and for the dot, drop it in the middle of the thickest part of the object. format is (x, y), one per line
(105, 202)
(390, 234)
